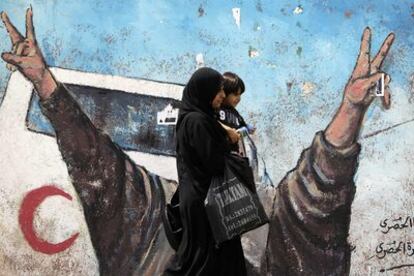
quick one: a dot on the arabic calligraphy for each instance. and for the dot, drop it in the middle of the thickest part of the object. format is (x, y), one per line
(394, 247)
(396, 224)
(397, 247)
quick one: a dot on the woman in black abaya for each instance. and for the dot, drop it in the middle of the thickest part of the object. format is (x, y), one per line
(201, 146)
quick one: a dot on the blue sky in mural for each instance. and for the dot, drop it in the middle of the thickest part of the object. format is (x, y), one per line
(295, 56)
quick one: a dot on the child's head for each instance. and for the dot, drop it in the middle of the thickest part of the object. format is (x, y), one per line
(233, 86)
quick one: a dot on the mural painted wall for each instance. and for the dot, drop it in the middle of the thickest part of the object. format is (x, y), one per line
(295, 58)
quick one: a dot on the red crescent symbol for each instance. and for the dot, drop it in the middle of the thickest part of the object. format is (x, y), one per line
(26, 216)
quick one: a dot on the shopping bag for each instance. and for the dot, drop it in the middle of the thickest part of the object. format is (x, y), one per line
(232, 204)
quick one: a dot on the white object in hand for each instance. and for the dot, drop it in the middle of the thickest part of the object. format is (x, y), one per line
(379, 89)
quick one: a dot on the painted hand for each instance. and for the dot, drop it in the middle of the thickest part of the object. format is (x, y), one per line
(25, 54)
(359, 90)
(27, 57)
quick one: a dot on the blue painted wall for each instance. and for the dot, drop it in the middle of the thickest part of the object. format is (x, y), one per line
(312, 50)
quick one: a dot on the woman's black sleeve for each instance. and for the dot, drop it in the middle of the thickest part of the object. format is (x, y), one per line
(208, 146)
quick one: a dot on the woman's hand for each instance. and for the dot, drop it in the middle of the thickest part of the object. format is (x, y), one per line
(27, 57)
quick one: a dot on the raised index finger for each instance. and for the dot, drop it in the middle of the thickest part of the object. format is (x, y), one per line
(382, 53)
(29, 24)
(362, 67)
(15, 36)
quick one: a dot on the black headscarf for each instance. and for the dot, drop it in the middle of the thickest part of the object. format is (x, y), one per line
(199, 93)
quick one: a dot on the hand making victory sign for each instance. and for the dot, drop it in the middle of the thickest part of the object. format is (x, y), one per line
(367, 73)
(359, 92)
(27, 57)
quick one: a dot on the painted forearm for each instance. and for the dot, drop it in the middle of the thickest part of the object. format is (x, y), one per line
(344, 128)
(46, 86)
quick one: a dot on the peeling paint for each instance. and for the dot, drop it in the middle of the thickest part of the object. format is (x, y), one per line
(298, 10)
(348, 14)
(200, 60)
(299, 51)
(259, 6)
(201, 11)
(253, 52)
(236, 16)
(308, 87)
(289, 85)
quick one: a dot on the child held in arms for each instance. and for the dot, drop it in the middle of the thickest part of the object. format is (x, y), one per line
(228, 116)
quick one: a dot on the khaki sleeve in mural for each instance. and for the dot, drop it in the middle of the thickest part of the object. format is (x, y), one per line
(121, 200)
(311, 213)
